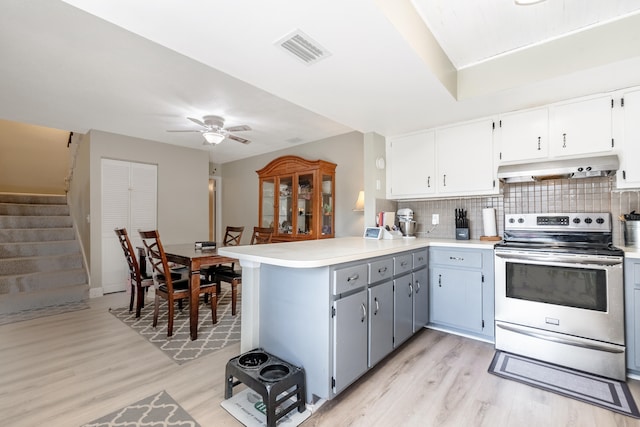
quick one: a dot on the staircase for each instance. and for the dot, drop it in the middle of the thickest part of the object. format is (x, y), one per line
(40, 259)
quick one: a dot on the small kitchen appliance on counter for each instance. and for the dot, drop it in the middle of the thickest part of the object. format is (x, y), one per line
(405, 221)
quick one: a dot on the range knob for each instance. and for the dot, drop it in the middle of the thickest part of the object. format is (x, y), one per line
(588, 220)
(511, 220)
(600, 220)
(520, 220)
(576, 220)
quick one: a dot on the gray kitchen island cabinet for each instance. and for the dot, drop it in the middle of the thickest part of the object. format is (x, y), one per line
(632, 312)
(338, 321)
(461, 297)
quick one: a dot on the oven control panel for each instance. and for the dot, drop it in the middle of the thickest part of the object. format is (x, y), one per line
(587, 221)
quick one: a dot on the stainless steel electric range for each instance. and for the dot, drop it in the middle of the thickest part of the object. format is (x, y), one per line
(559, 291)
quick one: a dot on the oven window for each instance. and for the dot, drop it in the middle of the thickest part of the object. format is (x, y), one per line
(571, 287)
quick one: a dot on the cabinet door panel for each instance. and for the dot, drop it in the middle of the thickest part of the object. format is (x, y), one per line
(411, 165)
(420, 299)
(581, 127)
(524, 135)
(403, 309)
(380, 322)
(464, 156)
(350, 339)
(629, 174)
(456, 298)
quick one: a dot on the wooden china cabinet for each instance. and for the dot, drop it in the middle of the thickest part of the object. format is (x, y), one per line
(297, 198)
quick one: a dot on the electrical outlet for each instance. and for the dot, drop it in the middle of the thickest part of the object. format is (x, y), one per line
(435, 219)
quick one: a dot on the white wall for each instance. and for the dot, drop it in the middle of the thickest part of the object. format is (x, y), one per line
(240, 182)
(183, 179)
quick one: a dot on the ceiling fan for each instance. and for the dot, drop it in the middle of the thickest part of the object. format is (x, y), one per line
(214, 131)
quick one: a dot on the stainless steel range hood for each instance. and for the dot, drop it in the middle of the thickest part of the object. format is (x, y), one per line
(585, 167)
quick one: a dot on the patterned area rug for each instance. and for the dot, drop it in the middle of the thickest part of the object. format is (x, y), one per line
(604, 392)
(159, 410)
(180, 348)
(42, 312)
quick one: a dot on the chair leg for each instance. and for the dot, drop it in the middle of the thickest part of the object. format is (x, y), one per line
(234, 296)
(171, 313)
(133, 294)
(156, 310)
(214, 308)
(140, 300)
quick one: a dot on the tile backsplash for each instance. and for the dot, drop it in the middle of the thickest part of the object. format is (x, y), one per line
(557, 195)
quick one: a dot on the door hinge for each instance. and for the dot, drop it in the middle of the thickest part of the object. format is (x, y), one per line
(501, 155)
(483, 278)
(483, 324)
(612, 143)
(500, 123)
(494, 183)
(611, 102)
(333, 312)
(333, 382)
(493, 125)
(622, 101)
(624, 174)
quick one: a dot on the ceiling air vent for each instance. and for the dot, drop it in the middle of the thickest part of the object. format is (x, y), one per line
(303, 47)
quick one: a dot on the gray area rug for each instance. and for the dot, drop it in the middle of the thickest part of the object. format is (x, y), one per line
(159, 410)
(35, 313)
(604, 392)
(180, 348)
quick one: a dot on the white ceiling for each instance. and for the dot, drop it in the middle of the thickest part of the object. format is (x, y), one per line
(146, 65)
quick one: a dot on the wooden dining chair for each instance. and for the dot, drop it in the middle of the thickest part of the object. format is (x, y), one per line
(139, 284)
(260, 235)
(166, 287)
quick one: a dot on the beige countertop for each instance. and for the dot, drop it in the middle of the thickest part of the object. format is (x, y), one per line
(630, 252)
(325, 252)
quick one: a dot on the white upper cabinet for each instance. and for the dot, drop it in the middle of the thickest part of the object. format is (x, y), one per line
(465, 158)
(581, 127)
(456, 160)
(411, 168)
(524, 135)
(629, 173)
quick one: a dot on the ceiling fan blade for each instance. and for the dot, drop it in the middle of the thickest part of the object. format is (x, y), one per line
(185, 130)
(237, 138)
(239, 128)
(198, 122)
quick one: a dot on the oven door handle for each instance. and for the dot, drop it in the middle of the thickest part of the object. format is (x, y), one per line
(559, 340)
(558, 258)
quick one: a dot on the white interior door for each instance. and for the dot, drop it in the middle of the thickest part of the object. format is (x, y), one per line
(129, 199)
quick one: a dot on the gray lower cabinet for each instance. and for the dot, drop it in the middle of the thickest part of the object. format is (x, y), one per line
(350, 339)
(632, 313)
(461, 297)
(403, 309)
(380, 321)
(420, 298)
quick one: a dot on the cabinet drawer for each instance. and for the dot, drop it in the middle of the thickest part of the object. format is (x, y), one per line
(402, 264)
(454, 258)
(349, 278)
(380, 270)
(419, 259)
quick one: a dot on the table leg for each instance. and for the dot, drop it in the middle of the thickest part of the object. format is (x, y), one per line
(193, 302)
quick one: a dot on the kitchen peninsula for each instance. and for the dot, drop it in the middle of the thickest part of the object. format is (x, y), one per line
(330, 305)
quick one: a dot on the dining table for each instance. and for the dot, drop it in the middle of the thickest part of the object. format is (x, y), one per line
(194, 259)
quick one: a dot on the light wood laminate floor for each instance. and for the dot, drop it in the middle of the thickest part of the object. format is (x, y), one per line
(72, 368)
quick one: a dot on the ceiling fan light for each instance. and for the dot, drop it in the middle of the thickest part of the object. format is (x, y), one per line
(213, 137)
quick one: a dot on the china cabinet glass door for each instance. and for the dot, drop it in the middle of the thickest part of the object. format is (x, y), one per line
(305, 204)
(327, 205)
(268, 206)
(285, 206)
